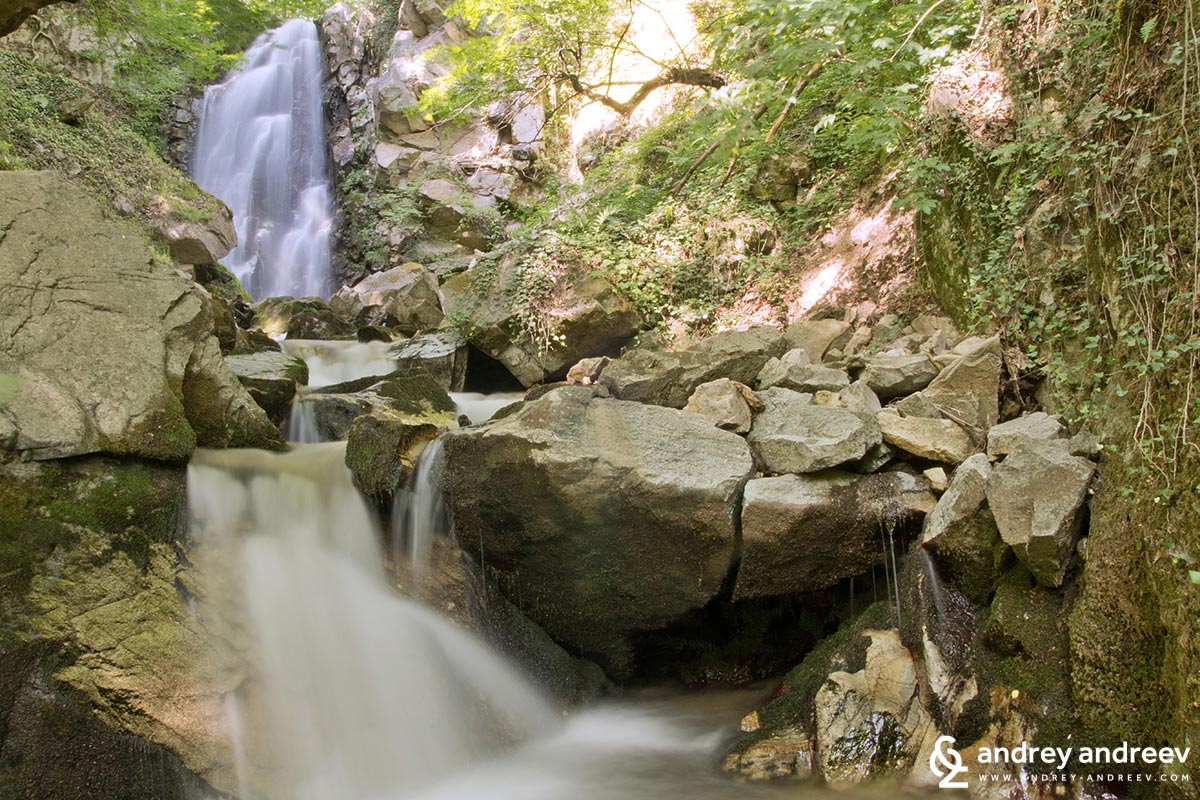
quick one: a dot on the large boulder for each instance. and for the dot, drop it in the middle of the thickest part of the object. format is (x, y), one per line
(407, 296)
(816, 337)
(1007, 436)
(668, 378)
(599, 518)
(302, 318)
(584, 317)
(729, 404)
(793, 370)
(101, 348)
(1037, 496)
(199, 241)
(801, 533)
(925, 437)
(793, 434)
(272, 379)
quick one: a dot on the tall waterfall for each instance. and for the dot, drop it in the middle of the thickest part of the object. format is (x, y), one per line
(261, 148)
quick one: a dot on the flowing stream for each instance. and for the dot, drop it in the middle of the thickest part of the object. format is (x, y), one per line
(261, 148)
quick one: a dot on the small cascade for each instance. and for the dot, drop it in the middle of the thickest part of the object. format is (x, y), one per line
(302, 422)
(331, 362)
(355, 693)
(419, 512)
(481, 407)
(261, 148)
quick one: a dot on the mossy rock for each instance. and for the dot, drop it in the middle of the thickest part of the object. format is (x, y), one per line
(382, 449)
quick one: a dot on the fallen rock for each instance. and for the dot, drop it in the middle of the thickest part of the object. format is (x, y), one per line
(932, 439)
(1005, 437)
(599, 518)
(859, 397)
(1037, 496)
(816, 337)
(917, 405)
(895, 376)
(587, 371)
(668, 378)
(968, 391)
(587, 317)
(801, 533)
(101, 349)
(199, 242)
(725, 402)
(792, 434)
(962, 532)
(407, 295)
(271, 378)
(444, 353)
(794, 371)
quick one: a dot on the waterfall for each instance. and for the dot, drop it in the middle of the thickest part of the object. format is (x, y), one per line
(355, 693)
(261, 148)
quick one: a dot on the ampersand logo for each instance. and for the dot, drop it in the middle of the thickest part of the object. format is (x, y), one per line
(947, 763)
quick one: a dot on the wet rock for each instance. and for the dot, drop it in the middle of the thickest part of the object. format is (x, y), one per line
(411, 396)
(792, 434)
(801, 533)
(794, 371)
(271, 378)
(871, 723)
(301, 318)
(727, 403)
(589, 317)
(535, 496)
(1005, 437)
(968, 390)
(816, 337)
(382, 449)
(444, 353)
(104, 351)
(932, 439)
(407, 294)
(1037, 496)
(898, 375)
(962, 532)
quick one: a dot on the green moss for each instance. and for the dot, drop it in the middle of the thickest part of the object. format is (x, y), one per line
(102, 152)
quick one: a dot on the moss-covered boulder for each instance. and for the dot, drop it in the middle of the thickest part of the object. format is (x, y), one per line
(599, 518)
(382, 449)
(108, 683)
(406, 397)
(580, 318)
(101, 348)
(301, 318)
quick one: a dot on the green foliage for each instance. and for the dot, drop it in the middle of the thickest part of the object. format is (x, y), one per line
(530, 47)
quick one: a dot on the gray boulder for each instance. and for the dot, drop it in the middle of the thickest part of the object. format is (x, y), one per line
(272, 378)
(1037, 496)
(407, 296)
(962, 532)
(932, 439)
(729, 404)
(801, 533)
(668, 378)
(968, 390)
(1005, 437)
(101, 348)
(896, 376)
(793, 370)
(411, 397)
(199, 242)
(599, 518)
(816, 337)
(793, 434)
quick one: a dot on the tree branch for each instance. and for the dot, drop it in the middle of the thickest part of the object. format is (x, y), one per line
(673, 76)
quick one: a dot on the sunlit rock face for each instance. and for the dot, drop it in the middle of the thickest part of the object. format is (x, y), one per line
(261, 148)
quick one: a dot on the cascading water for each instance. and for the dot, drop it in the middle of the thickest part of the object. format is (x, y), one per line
(261, 148)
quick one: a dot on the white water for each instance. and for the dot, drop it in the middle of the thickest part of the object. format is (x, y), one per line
(482, 407)
(331, 362)
(261, 148)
